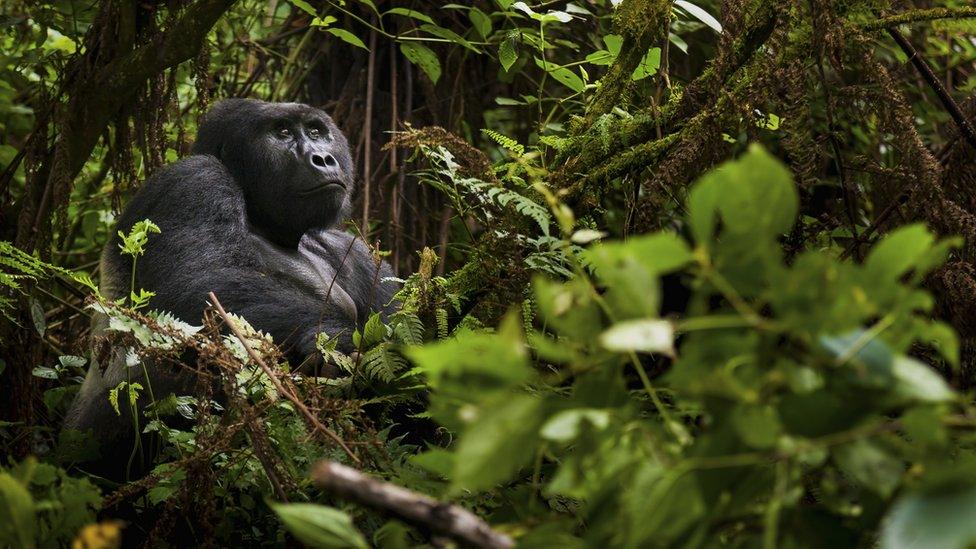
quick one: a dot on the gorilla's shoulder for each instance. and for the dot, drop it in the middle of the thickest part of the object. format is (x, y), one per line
(187, 192)
(198, 169)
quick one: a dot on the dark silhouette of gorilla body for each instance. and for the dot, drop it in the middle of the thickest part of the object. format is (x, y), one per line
(249, 216)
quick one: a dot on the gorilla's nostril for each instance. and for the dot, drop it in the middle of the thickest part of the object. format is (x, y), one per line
(324, 161)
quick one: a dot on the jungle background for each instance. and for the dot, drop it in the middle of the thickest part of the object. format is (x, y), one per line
(676, 273)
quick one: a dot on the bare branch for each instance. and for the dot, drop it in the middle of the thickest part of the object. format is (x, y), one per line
(444, 518)
(282, 390)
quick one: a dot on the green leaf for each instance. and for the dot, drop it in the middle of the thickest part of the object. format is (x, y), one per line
(448, 34)
(563, 75)
(374, 331)
(600, 57)
(757, 426)
(613, 42)
(347, 37)
(498, 441)
(323, 21)
(423, 57)
(630, 269)
(474, 363)
(319, 526)
(898, 252)
(481, 22)
(875, 366)
(754, 194)
(18, 526)
(566, 425)
(648, 65)
(940, 520)
(410, 13)
(507, 54)
(647, 335)
(305, 6)
(870, 465)
(37, 317)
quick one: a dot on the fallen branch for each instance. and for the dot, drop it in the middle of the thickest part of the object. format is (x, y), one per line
(282, 390)
(443, 518)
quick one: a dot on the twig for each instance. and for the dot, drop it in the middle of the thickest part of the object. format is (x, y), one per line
(314, 421)
(965, 128)
(443, 518)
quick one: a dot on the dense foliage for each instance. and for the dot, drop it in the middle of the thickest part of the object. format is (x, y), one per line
(674, 273)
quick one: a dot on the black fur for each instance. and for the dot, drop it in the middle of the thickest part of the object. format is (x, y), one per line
(250, 216)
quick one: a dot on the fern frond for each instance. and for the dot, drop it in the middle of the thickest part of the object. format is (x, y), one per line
(506, 142)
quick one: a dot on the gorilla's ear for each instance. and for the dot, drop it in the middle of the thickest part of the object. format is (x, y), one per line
(221, 125)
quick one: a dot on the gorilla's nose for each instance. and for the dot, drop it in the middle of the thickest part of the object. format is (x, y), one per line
(324, 161)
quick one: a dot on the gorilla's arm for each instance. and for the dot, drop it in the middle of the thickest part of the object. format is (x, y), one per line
(206, 246)
(363, 277)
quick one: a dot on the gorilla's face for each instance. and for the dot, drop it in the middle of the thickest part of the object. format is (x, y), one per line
(290, 159)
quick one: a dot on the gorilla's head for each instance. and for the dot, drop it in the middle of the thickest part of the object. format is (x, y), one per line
(290, 159)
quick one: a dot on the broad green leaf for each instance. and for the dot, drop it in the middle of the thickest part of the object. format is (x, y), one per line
(566, 425)
(646, 335)
(600, 57)
(700, 14)
(565, 76)
(754, 194)
(648, 65)
(898, 252)
(919, 382)
(870, 465)
(305, 6)
(423, 57)
(613, 42)
(18, 526)
(410, 13)
(757, 426)
(347, 37)
(374, 331)
(500, 440)
(631, 269)
(448, 34)
(874, 365)
(319, 526)
(475, 362)
(507, 55)
(481, 22)
(938, 520)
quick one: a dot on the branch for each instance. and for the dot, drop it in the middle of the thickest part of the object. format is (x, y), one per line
(641, 23)
(444, 518)
(965, 128)
(915, 16)
(309, 416)
(171, 47)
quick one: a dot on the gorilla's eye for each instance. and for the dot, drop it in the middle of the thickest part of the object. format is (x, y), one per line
(283, 133)
(317, 132)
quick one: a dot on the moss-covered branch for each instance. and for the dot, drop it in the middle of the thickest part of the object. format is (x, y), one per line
(917, 16)
(641, 23)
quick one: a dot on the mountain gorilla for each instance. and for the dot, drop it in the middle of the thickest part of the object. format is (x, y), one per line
(250, 216)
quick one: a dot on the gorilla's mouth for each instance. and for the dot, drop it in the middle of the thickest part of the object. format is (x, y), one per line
(331, 184)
